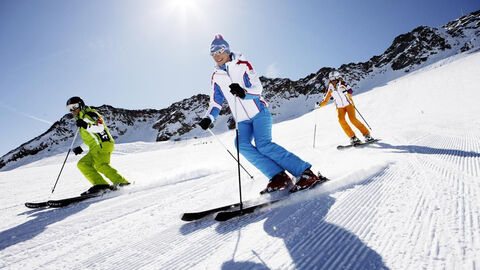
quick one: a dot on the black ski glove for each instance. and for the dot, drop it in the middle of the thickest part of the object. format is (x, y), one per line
(77, 150)
(81, 123)
(237, 90)
(205, 123)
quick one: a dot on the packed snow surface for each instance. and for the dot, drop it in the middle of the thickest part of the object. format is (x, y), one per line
(411, 201)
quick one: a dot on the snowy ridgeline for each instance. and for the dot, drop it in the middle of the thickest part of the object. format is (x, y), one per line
(288, 99)
(411, 201)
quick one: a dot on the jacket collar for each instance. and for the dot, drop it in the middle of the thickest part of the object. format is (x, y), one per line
(234, 56)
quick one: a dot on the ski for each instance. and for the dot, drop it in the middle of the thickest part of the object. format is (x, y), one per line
(226, 215)
(341, 147)
(192, 216)
(60, 202)
(68, 201)
(278, 196)
(36, 204)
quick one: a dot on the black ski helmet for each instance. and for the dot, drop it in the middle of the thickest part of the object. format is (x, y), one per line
(76, 100)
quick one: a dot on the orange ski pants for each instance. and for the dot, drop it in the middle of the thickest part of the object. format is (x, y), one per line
(350, 110)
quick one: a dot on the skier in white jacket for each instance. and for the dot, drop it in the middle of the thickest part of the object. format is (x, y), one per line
(235, 80)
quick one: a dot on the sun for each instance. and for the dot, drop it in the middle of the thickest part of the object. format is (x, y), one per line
(178, 18)
(183, 7)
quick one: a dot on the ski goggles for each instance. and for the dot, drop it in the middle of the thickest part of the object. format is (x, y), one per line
(73, 107)
(218, 52)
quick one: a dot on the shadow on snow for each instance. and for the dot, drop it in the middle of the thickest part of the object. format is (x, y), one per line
(312, 242)
(35, 226)
(419, 149)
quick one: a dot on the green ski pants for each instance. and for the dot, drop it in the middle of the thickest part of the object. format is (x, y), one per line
(97, 161)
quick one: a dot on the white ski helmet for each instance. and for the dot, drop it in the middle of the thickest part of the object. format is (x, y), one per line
(334, 75)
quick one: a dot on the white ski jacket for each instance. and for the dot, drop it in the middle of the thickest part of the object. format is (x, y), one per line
(340, 94)
(240, 71)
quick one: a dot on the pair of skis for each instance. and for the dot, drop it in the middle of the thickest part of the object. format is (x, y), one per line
(226, 212)
(230, 211)
(341, 147)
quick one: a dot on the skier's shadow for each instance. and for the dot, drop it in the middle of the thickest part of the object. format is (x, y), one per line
(312, 242)
(35, 226)
(419, 149)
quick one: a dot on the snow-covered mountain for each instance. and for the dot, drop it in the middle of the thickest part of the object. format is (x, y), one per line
(411, 201)
(288, 99)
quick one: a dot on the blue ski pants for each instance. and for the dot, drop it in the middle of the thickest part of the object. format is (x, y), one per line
(267, 156)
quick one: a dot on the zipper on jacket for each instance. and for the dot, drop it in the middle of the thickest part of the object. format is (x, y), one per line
(239, 100)
(245, 110)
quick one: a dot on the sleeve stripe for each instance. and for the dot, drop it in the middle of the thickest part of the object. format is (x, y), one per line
(246, 63)
(246, 80)
(218, 96)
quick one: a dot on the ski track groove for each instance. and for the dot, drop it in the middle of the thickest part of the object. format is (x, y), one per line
(436, 161)
(200, 243)
(150, 244)
(377, 186)
(125, 194)
(206, 250)
(107, 207)
(459, 181)
(453, 162)
(329, 232)
(156, 250)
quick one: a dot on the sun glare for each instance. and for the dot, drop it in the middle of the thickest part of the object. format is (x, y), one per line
(179, 18)
(183, 6)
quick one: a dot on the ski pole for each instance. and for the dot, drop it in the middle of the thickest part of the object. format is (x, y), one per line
(218, 140)
(70, 149)
(238, 149)
(315, 128)
(238, 157)
(359, 113)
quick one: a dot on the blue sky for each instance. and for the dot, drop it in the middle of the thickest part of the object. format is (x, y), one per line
(140, 54)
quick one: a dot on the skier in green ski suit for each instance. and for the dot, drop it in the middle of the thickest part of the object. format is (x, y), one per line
(96, 136)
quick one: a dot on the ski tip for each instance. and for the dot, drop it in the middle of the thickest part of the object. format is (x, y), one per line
(187, 217)
(36, 205)
(341, 147)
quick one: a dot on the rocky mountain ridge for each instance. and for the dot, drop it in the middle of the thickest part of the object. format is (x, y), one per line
(287, 99)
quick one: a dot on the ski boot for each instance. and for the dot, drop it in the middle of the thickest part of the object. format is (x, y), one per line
(96, 189)
(119, 185)
(280, 181)
(355, 141)
(307, 180)
(369, 138)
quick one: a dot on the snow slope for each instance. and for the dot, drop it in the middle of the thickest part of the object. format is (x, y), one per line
(411, 201)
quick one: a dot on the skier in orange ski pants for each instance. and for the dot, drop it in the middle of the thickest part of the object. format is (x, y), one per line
(341, 92)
